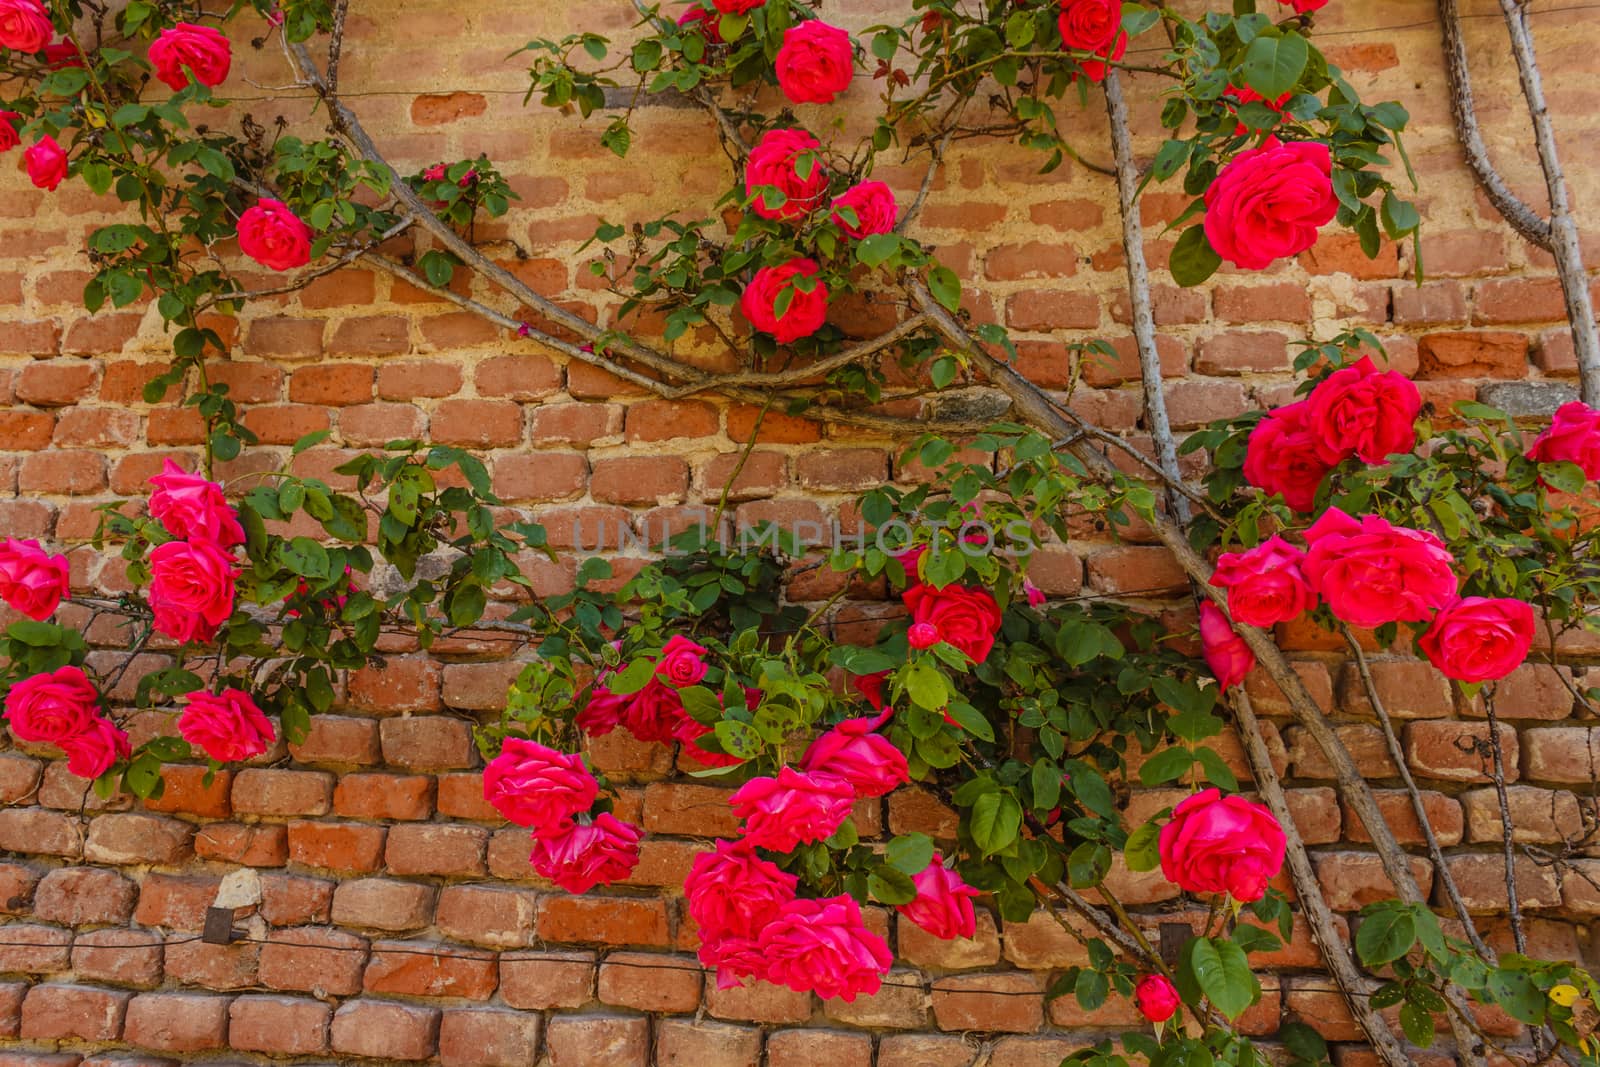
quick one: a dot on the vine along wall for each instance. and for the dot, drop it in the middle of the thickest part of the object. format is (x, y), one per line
(398, 916)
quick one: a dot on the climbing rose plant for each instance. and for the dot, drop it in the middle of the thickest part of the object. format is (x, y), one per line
(1030, 719)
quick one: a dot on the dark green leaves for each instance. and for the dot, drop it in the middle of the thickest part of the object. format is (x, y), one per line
(1274, 62)
(1223, 974)
(1193, 258)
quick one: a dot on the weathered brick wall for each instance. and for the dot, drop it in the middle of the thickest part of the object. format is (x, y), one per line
(398, 919)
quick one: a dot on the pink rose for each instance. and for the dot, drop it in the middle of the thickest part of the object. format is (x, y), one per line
(32, 580)
(24, 25)
(603, 711)
(1265, 585)
(681, 664)
(1283, 456)
(192, 507)
(272, 235)
(733, 893)
(227, 726)
(1156, 998)
(200, 48)
(1095, 69)
(46, 162)
(870, 686)
(52, 708)
(1035, 595)
(1218, 844)
(775, 162)
(1572, 437)
(1302, 7)
(943, 906)
(699, 18)
(1372, 573)
(1358, 410)
(911, 562)
(1269, 202)
(1229, 658)
(736, 7)
(688, 735)
(191, 589)
(64, 54)
(792, 809)
(654, 713)
(538, 787)
(923, 635)
(9, 121)
(815, 62)
(1089, 25)
(870, 762)
(96, 750)
(1480, 639)
(822, 946)
(584, 855)
(807, 308)
(964, 616)
(872, 204)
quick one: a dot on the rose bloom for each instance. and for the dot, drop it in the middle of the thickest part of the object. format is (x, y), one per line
(538, 787)
(1095, 69)
(1371, 572)
(1269, 202)
(689, 733)
(1035, 595)
(815, 62)
(191, 588)
(923, 635)
(52, 708)
(1358, 410)
(736, 7)
(709, 25)
(1156, 998)
(46, 162)
(807, 311)
(1283, 456)
(774, 162)
(792, 809)
(943, 906)
(603, 711)
(733, 959)
(1302, 7)
(32, 580)
(1229, 658)
(1218, 844)
(8, 130)
(63, 54)
(24, 25)
(965, 616)
(681, 664)
(192, 507)
(1089, 25)
(200, 48)
(274, 236)
(654, 713)
(874, 208)
(870, 686)
(911, 562)
(584, 855)
(1572, 437)
(822, 946)
(733, 892)
(1265, 585)
(96, 750)
(870, 762)
(1480, 639)
(228, 725)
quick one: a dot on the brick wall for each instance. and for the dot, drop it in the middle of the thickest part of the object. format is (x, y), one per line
(398, 920)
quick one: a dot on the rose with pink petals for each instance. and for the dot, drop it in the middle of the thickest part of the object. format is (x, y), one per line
(46, 162)
(792, 809)
(1265, 584)
(682, 662)
(923, 635)
(24, 25)
(708, 23)
(1268, 203)
(870, 686)
(32, 580)
(943, 905)
(1371, 572)
(736, 7)
(581, 856)
(192, 507)
(733, 893)
(823, 946)
(775, 303)
(52, 708)
(654, 713)
(202, 49)
(865, 209)
(1284, 456)
(1573, 436)
(191, 589)
(1156, 998)
(602, 712)
(228, 725)
(1218, 844)
(966, 616)
(273, 235)
(776, 162)
(815, 62)
(870, 762)
(9, 121)
(1229, 658)
(1361, 411)
(96, 750)
(1480, 639)
(535, 786)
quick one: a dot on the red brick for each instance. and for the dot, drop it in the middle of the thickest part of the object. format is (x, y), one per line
(540, 476)
(212, 966)
(461, 797)
(57, 471)
(479, 423)
(314, 960)
(178, 903)
(26, 430)
(417, 379)
(428, 848)
(1271, 302)
(399, 683)
(185, 790)
(575, 424)
(924, 1050)
(332, 384)
(649, 982)
(1195, 403)
(1031, 260)
(29, 948)
(383, 904)
(1352, 880)
(1239, 352)
(118, 957)
(378, 424)
(610, 921)
(1409, 689)
(525, 377)
(436, 109)
(134, 838)
(691, 810)
(284, 424)
(1041, 310)
(1517, 300)
(34, 830)
(1100, 369)
(57, 383)
(384, 1030)
(76, 896)
(458, 329)
(922, 949)
(250, 845)
(1538, 816)
(291, 1026)
(585, 1040)
(1340, 253)
(1562, 754)
(544, 980)
(177, 1022)
(1135, 569)
(760, 1002)
(803, 1048)
(421, 969)
(691, 1043)
(639, 479)
(384, 796)
(338, 739)
(336, 846)
(1444, 816)
(1473, 355)
(428, 743)
(1445, 750)
(1437, 303)
(1003, 1002)
(259, 791)
(470, 1037)
(1482, 881)
(290, 900)
(384, 335)
(492, 916)
(58, 1012)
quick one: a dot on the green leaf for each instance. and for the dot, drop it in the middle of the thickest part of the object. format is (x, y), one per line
(1046, 785)
(1418, 1025)
(971, 720)
(910, 853)
(1399, 216)
(891, 886)
(1384, 936)
(1518, 995)
(1223, 974)
(877, 249)
(738, 738)
(304, 557)
(1216, 771)
(996, 818)
(926, 686)
(1143, 850)
(1193, 259)
(946, 287)
(1168, 765)
(1273, 64)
